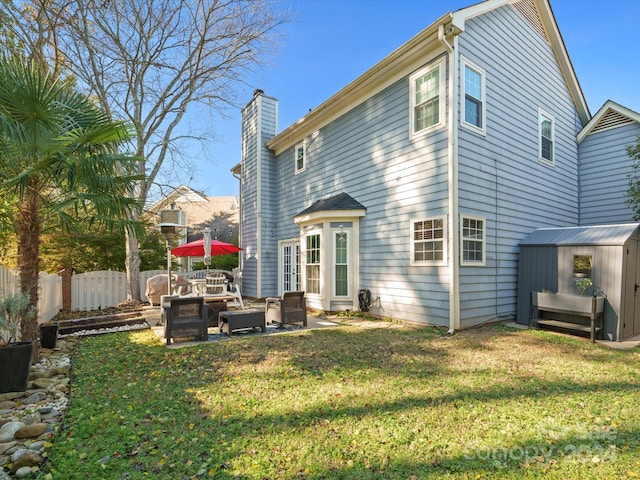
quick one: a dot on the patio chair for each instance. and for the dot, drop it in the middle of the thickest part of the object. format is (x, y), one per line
(233, 289)
(186, 316)
(290, 308)
(216, 284)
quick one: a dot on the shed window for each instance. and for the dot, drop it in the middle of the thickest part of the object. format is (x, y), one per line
(582, 266)
(428, 242)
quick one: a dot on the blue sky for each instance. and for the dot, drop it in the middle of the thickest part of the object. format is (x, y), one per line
(329, 43)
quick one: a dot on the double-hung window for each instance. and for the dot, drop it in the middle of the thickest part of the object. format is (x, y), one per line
(300, 157)
(474, 97)
(428, 241)
(546, 137)
(472, 240)
(312, 267)
(341, 267)
(427, 102)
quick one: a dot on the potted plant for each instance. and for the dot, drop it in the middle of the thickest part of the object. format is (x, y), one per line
(15, 356)
(48, 334)
(582, 284)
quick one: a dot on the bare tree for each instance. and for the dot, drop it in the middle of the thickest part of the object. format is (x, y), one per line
(151, 62)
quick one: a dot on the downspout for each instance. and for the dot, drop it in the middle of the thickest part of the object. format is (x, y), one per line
(240, 256)
(259, 197)
(452, 177)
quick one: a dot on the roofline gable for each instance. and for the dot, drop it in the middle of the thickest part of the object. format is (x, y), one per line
(181, 190)
(566, 67)
(400, 63)
(409, 57)
(608, 106)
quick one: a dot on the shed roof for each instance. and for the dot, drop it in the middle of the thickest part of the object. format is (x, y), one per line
(591, 235)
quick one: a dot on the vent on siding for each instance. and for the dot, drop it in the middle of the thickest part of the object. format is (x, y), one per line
(175, 216)
(528, 10)
(611, 119)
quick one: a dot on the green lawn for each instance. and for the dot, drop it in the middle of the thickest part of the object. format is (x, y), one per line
(352, 403)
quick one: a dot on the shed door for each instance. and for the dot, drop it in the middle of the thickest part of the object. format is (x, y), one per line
(631, 320)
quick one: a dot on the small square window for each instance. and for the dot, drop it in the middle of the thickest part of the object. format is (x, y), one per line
(428, 242)
(582, 266)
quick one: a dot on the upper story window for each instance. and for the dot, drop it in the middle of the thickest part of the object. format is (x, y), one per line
(427, 102)
(300, 157)
(473, 241)
(428, 241)
(546, 137)
(473, 107)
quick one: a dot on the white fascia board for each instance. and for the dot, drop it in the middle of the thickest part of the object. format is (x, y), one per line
(564, 62)
(399, 64)
(327, 215)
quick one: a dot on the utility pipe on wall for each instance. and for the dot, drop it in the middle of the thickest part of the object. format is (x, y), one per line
(452, 177)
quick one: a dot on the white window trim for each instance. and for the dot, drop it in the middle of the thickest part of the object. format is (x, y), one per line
(551, 162)
(473, 263)
(302, 144)
(483, 94)
(412, 97)
(436, 263)
(347, 233)
(304, 264)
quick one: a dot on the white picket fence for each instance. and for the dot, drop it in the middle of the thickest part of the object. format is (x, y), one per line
(89, 291)
(104, 288)
(49, 292)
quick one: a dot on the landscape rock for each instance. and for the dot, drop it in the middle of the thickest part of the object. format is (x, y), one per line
(28, 419)
(5, 447)
(31, 431)
(26, 458)
(23, 472)
(8, 430)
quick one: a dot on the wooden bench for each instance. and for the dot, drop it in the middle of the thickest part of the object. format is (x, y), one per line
(566, 312)
(241, 319)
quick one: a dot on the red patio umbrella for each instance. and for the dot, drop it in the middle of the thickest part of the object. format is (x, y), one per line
(196, 249)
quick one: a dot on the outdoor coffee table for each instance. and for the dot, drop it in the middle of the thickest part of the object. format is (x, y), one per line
(241, 319)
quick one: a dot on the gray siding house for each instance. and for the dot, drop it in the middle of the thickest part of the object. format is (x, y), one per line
(605, 165)
(418, 180)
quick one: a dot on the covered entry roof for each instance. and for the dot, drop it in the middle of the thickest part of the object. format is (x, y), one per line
(342, 204)
(592, 235)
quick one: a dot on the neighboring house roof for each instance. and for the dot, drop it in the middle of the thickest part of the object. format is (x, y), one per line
(342, 204)
(610, 115)
(410, 57)
(199, 208)
(592, 235)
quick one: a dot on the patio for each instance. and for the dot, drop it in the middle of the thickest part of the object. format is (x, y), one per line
(153, 317)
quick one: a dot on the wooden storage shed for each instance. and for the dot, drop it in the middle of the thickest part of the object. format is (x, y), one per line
(553, 259)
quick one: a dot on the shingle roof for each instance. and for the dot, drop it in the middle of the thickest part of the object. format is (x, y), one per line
(592, 235)
(342, 201)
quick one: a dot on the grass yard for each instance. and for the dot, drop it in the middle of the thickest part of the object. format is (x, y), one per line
(352, 403)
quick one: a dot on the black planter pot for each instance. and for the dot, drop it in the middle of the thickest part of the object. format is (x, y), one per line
(48, 335)
(15, 359)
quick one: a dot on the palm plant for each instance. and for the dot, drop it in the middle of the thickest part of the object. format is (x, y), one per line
(59, 161)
